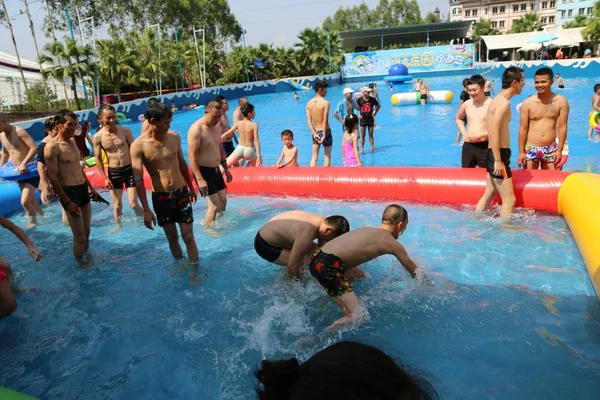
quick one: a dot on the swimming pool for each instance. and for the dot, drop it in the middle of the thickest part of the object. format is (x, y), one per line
(408, 135)
(513, 315)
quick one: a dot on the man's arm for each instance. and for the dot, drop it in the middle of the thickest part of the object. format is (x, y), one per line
(194, 140)
(596, 104)
(97, 146)
(29, 142)
(562, 127)
(460, 123)
(310, 123)
(337, 111)
(51, 156)
(302, 246)
(230, 133)
(377, 107)
(22, 236)
(494, 136)
(523, 131)
(400, 253)
(185, 171)
(128, 136)
(137, 164)
(5, 156)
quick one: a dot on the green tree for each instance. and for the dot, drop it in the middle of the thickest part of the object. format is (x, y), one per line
(431, 18)
(483, 28)
(117, 62)
(313, 51)
(591, 32)
(580, 21)
(529, 22)
(39, 96)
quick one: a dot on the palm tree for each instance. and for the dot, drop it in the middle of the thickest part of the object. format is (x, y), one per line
(55, 55)
(6, 19)
(591, 32)
(313, 54)
(483, 28)
(529, 22)
(580, 21)
(117, 61)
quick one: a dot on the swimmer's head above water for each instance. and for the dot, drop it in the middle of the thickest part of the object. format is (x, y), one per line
(332, 227)
(397, 217)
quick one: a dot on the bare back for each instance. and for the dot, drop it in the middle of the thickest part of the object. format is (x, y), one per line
(498, 118)
(208, 143)
(116, 145)
(17, 143)
(282, 229)
(542, 118)
(161, 159)
(247, 132)
(316, 110)
(477, 123)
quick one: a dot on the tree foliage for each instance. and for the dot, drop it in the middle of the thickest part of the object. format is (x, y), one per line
(591, 32)
(529, 22)
(483, 28)
(580, 21)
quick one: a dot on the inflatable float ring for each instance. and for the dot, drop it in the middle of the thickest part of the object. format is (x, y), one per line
(120, 116)
(141, 117)
(10, 172)
(594, 120)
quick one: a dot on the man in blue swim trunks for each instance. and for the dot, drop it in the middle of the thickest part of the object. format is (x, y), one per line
(317, 118)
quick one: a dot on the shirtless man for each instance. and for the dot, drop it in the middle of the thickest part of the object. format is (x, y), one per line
(289, 237)
(592, 133)
(476, 135)
(205, 154)
(560, 82)
(115, 141)
(237, 113)
(317, 118)
(544, 117)
(159, 150)
(497, 156)
(424, 90)
(19, 148)
(488, 88)
(8, 303)
(151, 101)
(50, 132)
(329, 264)
(228, 146)
(68, 180)
(248, 148)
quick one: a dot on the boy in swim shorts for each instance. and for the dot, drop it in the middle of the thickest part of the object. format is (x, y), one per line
(248, 147)
(330, 264)
(317, 119)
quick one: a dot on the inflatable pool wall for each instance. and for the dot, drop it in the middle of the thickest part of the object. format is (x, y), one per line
(434, 97)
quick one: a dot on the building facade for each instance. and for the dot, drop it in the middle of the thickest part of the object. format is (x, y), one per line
(569, 9)
(503, 13)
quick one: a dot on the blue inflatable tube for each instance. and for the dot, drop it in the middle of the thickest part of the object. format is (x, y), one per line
(398, 78)
(10, 172)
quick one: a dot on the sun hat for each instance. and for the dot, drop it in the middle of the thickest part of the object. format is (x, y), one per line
(348, 90)
(365, 89)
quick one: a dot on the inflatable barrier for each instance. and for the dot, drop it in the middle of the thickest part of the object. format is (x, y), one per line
(10, 172)
(296, 85)
(434, 97)
(398, 79)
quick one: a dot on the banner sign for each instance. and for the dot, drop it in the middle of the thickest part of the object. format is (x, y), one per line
(417, 59)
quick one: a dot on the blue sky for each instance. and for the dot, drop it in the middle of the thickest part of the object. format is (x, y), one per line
(277, 22)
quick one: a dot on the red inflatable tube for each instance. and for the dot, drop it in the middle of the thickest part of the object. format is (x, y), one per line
(453, 186)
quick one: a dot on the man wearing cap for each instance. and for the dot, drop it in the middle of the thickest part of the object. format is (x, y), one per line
(346, 107)
(369, 107)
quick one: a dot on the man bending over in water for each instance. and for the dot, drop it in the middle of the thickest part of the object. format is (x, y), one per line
(497, 156)
(160, 152)
(329, 264)
(544, 117)
(288, 237)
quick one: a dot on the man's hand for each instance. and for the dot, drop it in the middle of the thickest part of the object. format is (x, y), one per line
(203, 187)
(498, 165)
(34, 253)
(73, 209)
(521, 160)
(193, 196)
(108, 184)
(259, 162)
(557, 156)
(149, 219)
(360, 164)
(228, 176)
(47, 194)
(22, 169)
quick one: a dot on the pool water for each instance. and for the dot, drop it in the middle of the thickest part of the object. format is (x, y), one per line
(407, 135)
(512, 315)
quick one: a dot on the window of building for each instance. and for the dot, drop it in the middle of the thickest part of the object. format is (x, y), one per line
(524, 7)
(581, 11)
(467, 13)
(570, 13)
(474, 13)
(494, 10)
(502, 9)
(590, 10)
(563, 13)
(544, 5)
(515, 8)
(494, 24)
(454, 11)
(501, 24)
(551, 19)
(552, 4)
(543, 20)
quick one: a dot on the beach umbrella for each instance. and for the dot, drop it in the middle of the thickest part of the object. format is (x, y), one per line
(543, 37)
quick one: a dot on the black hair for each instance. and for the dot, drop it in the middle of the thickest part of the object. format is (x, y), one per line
(394, 214)
(220, 99)
(510, 75)
(104, 107)
(345, 370)
(477, 80)
(246, 109)
(152, 100)
(339, 224)
(320, 84)
(61, 116)
(350, 122)
(287, 132)
(596, 87)
(49, 124)
(545, 71)
(158, 111)
(371, 85)
(212, 104)
(465, 82)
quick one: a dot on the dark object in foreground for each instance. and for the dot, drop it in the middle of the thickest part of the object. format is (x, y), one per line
(98, 199)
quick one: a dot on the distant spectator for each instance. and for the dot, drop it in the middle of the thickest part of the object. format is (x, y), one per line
(345, 107)
(345, 370)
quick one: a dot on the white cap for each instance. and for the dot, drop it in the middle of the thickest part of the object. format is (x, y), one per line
(348, 90)
(365, 89)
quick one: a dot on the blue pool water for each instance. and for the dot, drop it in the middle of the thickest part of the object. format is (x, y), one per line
(408, 135)
(498, 324)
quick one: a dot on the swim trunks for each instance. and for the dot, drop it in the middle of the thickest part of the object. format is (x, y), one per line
(489, 163)
(473, 154)
(120, 176)
(228, 148)
(174, 206)
(265, 250)
(245, 152)
(488, 94)
(561, 86)
(214, 179)
(78, 194)
(40, 153)
(368, 122)
(540, 153)
(329, 270)
(35, 182)
(424, 97)
(328, 141)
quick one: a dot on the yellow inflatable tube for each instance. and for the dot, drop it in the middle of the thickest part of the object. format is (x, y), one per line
(578, 201)
(594, 120)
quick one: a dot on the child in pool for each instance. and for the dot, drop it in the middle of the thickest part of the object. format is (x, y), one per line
(350, 142)
(289, 154)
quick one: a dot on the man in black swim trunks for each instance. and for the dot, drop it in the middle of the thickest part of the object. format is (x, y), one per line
(68, 180)
(289, 237)
(159, 150)
(115, 141)
(317, 119)
(206, 154)
(368, 107)
(228, 146)
(497, 157)
(20, 149)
